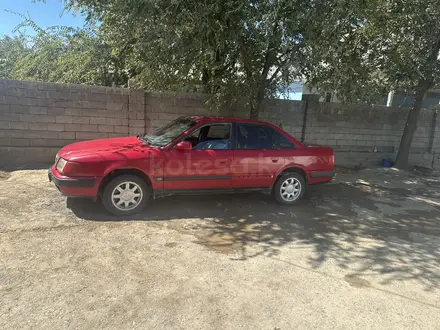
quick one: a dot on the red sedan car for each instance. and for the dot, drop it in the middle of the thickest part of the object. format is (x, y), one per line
(191, 155)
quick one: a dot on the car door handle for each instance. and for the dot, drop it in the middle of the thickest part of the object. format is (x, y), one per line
(222, 162)
(274, 160)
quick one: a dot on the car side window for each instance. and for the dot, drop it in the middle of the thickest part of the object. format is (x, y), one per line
(211, 137)
(283, 143)
(253, 137)
(216, 132)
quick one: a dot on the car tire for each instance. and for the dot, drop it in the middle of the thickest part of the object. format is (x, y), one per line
(290, 188)
(125, 195)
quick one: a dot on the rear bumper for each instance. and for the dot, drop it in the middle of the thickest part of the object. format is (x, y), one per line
(321, 177)
(320, 174)
(74, 187)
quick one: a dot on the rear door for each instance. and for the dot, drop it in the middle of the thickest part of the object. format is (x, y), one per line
(257, 157)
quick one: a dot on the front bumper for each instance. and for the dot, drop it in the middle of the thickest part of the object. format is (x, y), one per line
(75, 187)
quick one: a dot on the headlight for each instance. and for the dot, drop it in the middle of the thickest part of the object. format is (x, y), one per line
(61, 164)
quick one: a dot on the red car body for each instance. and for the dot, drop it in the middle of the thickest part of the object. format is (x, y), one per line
(178, 168)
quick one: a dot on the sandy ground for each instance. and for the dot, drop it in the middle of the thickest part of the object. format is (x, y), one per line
(362, 252)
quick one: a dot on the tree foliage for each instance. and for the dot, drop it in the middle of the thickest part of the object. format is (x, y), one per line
(231, 49)
(371, 47)
(11, 48)
(61, 55)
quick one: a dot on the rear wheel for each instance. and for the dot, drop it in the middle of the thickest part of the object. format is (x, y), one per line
(290, 188)
(126, 194)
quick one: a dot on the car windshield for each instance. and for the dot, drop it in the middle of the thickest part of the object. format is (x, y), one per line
(164, 135)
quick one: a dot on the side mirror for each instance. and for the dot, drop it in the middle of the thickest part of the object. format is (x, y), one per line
(184, 146)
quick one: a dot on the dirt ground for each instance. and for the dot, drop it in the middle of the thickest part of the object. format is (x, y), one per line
(361, 252)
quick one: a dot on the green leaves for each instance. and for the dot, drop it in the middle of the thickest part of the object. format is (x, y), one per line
(62, 55)
(375, 46)
(10, 50)
(230, 49)
(369, 48)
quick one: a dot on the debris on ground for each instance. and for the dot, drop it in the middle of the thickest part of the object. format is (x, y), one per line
(4, 175)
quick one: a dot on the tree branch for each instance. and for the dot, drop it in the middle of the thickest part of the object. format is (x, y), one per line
(270, 45)
(272, 77)
(243, 52)
(283, 63)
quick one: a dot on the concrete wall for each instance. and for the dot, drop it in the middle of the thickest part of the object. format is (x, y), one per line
(36, 119)
(362, 134)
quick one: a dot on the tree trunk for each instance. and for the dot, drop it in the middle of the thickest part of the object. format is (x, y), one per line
(411, 123)
(410, 128)
(257, 101)
(254, 111)
(205, 80)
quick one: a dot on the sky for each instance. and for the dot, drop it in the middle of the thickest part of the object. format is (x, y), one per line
(293, 92)
(44, 14)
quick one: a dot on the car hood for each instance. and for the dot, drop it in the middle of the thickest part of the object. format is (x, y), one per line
(105, 149)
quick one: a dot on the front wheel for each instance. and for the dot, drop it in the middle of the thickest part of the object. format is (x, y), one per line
(290, 188)
(125, 195)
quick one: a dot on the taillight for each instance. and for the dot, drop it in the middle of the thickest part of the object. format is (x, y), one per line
(332, 160)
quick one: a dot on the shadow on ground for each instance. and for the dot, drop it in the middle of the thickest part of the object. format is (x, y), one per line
(365, 227)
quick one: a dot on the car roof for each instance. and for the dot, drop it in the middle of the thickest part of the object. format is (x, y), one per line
(213, 119)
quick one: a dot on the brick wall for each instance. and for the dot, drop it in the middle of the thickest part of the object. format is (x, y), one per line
(36, 119)
(160, 108)
(362, 134)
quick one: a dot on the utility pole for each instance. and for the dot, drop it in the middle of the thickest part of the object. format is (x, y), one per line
(390, 99)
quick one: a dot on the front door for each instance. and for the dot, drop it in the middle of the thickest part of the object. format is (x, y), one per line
(207, 166)
(257, 158)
